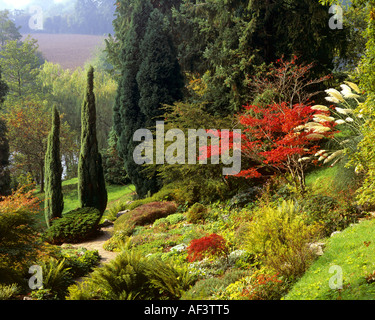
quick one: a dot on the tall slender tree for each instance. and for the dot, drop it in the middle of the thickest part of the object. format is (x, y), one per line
(92, 190)
(54, 202)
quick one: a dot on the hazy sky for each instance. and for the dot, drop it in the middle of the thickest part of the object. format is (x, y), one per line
(19, 4)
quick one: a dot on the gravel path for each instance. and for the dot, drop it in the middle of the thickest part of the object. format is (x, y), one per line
(97, 244)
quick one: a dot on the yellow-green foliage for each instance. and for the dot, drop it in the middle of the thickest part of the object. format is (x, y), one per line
(7, 292)
(262, 284)
(279, 237)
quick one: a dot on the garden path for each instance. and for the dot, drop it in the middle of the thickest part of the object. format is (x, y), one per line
(97, 244)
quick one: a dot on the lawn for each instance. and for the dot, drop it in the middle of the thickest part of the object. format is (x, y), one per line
(116, 193)
(349, 253)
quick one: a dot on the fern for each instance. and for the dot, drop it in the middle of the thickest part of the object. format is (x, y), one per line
(132, 276)
(56, 276)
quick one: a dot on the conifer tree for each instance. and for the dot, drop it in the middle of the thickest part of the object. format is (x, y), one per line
(92, 190)
(127, 115)
(54, 202)
(159, 78)
(151, 77)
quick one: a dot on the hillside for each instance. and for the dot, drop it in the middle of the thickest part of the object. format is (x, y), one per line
(69, 50)
(347, 265)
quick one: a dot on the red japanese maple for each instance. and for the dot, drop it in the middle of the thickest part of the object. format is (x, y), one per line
(212, 245)
(282, 138)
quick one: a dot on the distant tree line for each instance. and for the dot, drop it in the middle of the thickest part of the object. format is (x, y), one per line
(92, 17)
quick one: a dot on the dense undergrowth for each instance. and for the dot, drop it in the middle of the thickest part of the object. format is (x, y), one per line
(276, 246)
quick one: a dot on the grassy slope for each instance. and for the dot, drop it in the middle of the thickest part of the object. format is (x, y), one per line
(115, 194)
(354, 251)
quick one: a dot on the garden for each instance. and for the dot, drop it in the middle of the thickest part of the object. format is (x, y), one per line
(293, 110)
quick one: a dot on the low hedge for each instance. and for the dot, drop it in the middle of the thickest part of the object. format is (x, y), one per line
(74, 227)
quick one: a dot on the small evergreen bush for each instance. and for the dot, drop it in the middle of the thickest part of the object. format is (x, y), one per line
(75, 226)
(197, 213)
(80, 261)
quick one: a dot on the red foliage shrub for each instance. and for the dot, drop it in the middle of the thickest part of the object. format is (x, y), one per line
(263, 287)
(212, 245)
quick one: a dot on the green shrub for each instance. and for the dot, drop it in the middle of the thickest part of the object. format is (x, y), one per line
(80, 261)
(326, 210)
(170, 220)
(262, 284)
(119, 240)
(43, 294)
(204, 289)
(279, 237)
(18, 244)
(112, 212)
(165, 194)
(205, 190)
(75, 226)
(142, 215)
(175, 218)
(197, 213)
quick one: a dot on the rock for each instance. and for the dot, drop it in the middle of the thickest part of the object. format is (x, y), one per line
(179, 247)
(119, 214)
(334, 233)
(317, 248)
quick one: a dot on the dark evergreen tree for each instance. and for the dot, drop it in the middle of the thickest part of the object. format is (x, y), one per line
(150, 77)
(159, 78)
(231, 38)
(92, 190)
(127, 115)
(4, 146)
(113, 164)
(54, 202)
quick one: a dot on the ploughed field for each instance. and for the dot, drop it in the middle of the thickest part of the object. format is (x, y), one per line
(69, 50)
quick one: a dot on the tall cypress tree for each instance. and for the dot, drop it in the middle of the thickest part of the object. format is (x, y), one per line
(150, 77)
(92, 191)
(4, 146)
(54, 202)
